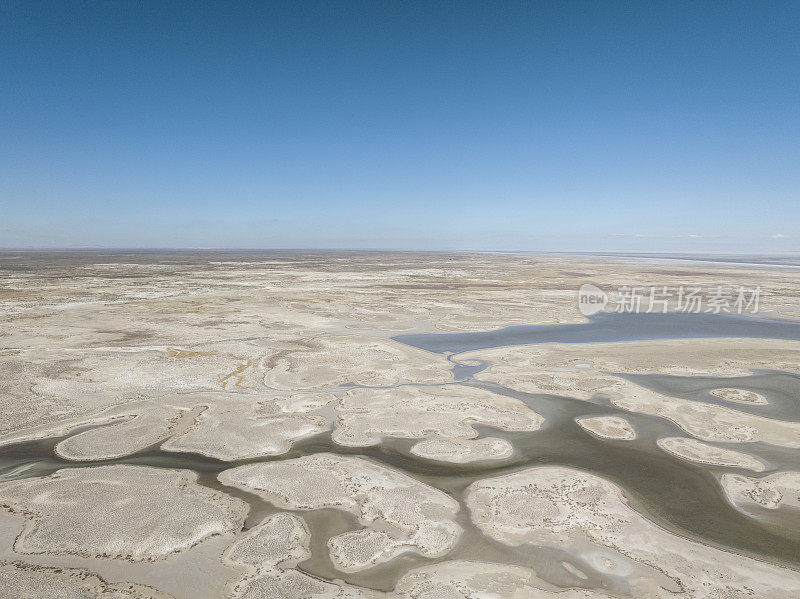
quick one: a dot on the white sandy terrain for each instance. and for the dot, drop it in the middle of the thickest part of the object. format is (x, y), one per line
(399, 513)
(739, 396)
(367, 415)
(458, 579)
(541, 369)
(775, 491)
(461, 451)
(705, 453)
(136, 427)
(130, 512)
(240, 428)
(24, 581)
(336, 360)
(245, 356)
(608, 427)
(589, 517)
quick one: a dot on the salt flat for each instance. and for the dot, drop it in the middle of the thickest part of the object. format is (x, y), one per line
(252, 424)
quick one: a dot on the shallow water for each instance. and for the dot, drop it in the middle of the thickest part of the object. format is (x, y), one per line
(607, 327)
(781, 390)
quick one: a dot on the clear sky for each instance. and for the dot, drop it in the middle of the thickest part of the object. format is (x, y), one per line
(421, 125)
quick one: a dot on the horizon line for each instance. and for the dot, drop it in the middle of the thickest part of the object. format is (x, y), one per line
(388, 250)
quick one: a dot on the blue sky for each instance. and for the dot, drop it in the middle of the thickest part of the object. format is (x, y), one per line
(564, 126)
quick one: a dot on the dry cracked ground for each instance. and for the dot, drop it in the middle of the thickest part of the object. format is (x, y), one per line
(259, 425)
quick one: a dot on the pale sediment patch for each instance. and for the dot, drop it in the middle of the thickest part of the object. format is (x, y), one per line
(739, 396)
(27, 581)
(360, 549)
(704, 453)
(461, 451)
(133, 512)
(82, 381)
(708, 422)
(336, 360)
(541, 369)
(773, 492)
(237, 429)
(141, 425)
(310, 401)
(589, 517)
(152, 371)
(608, 427)
(460, 579)
(293, 584)
(708, 357)
(406, 515)
(281, 538)
(269, 552)
(367, 415)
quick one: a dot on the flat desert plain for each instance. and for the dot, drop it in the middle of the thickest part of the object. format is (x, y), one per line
(195, 425)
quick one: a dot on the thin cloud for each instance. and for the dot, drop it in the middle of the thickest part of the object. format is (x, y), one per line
(780, 236)
(691, 236)
(627, 235)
